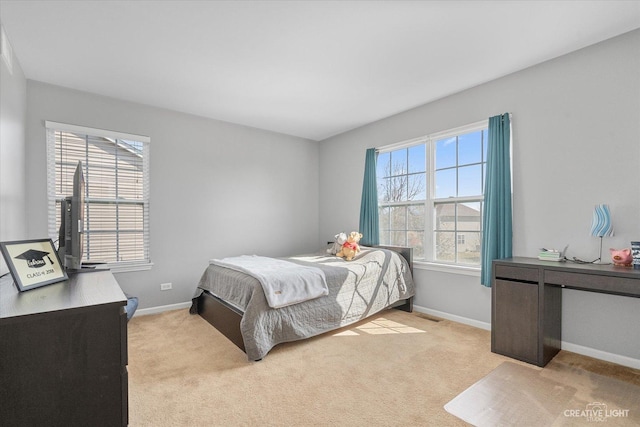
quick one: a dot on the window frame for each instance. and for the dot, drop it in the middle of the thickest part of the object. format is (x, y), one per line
(51, 128)
(429, 240)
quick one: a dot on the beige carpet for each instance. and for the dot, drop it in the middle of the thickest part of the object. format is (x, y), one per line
(396, 368)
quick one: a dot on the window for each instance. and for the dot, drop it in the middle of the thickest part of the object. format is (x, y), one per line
(116, 173)
(430, 194)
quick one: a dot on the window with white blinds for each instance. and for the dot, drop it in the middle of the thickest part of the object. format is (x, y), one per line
(116, 174)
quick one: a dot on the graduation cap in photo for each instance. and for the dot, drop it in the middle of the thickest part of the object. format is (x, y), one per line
(35, 258)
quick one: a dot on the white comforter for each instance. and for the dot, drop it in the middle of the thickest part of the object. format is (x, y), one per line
(284, 283)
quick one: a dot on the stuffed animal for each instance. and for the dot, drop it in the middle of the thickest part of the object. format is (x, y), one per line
(621, 257)
(350, 248)
(341, 238)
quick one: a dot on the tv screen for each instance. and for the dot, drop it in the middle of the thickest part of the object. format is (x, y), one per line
(71, 232)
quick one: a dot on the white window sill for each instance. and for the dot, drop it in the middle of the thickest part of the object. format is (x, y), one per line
(127, 268)
(447, 268)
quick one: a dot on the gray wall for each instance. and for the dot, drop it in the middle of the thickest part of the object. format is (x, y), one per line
(13, 112)
(576, 143)
(217, 189)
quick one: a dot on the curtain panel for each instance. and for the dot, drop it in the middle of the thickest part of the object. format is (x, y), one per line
(369, 222)
(497, 215)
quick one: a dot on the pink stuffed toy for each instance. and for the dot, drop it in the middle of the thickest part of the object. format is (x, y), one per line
(621, 257)
(350, 248)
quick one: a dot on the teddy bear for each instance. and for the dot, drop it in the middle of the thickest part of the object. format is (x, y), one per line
(350, 248)
(341, 238)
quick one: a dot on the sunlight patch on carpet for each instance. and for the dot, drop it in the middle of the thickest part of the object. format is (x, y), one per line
(380, 326)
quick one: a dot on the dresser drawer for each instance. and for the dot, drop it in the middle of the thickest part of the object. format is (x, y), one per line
(517, 273)
(593, 282)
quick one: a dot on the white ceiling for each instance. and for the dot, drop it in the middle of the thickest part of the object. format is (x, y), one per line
(307, 68)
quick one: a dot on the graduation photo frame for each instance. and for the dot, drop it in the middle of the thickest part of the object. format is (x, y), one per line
(33, 263)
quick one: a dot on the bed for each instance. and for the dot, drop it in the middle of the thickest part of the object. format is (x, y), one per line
(235, 304)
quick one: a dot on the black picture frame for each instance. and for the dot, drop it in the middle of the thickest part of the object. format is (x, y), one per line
(33, 263)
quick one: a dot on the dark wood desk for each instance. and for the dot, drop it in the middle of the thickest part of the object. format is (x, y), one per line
(63, 353)
(526, 302)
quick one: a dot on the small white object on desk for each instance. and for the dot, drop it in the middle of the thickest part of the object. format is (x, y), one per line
(552, 254)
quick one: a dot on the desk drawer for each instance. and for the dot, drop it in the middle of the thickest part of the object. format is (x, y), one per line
(520, 274)
(594, 282)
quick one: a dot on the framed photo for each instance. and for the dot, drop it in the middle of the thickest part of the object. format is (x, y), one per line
(33, 263)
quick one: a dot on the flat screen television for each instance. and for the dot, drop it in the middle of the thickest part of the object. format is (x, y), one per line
(71, 233)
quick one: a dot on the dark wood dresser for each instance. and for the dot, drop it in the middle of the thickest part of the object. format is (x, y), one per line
(63, 353)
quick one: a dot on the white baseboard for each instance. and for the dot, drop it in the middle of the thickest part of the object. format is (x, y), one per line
(161, 308)
(455, 318)
(602, 355)
(574, 348)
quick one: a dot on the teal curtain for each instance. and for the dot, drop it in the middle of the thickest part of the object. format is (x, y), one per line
(497, 216)
(369, 223)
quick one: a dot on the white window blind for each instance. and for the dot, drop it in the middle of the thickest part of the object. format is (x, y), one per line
(116, 173)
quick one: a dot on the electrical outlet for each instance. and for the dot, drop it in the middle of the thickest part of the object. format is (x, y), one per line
(165, 286)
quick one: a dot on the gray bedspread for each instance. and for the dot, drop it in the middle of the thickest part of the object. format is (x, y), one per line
(371, 282)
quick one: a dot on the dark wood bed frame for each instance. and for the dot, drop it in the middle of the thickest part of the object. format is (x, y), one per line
(226, 318)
